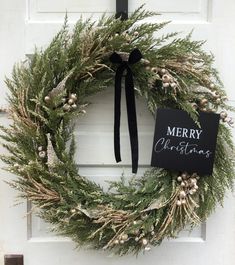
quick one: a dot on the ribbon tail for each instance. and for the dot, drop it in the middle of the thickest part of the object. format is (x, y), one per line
(132, 121)
(117, 112)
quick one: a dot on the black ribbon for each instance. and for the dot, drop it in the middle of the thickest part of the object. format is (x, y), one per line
(135, 56)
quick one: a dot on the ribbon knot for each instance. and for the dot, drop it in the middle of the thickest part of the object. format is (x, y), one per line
(134, 57)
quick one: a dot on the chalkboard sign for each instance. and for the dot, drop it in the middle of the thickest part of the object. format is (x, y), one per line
(179, 144)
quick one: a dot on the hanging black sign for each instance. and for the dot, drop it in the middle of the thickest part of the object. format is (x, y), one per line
(179, 144)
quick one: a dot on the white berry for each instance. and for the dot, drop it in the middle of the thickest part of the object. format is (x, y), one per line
(193, 181)
(73, 96)
(223, 114)
(47, 98)
(124, 237)
(212, 85)
(70, 101)
(66, 107)
(194, 105)
(144, 241)
(179, 178)
(42, 154)
(182, 194)
(178, 202)
(166, 78)
(154, 69)
(165, 84)
(74, 106)
(40, 148)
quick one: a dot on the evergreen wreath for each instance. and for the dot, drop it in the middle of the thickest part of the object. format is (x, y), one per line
(49, 91)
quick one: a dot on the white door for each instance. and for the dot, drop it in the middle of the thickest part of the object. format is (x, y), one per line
(26, 23)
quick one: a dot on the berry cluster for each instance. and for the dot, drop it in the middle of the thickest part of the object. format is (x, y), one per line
(189, 186)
